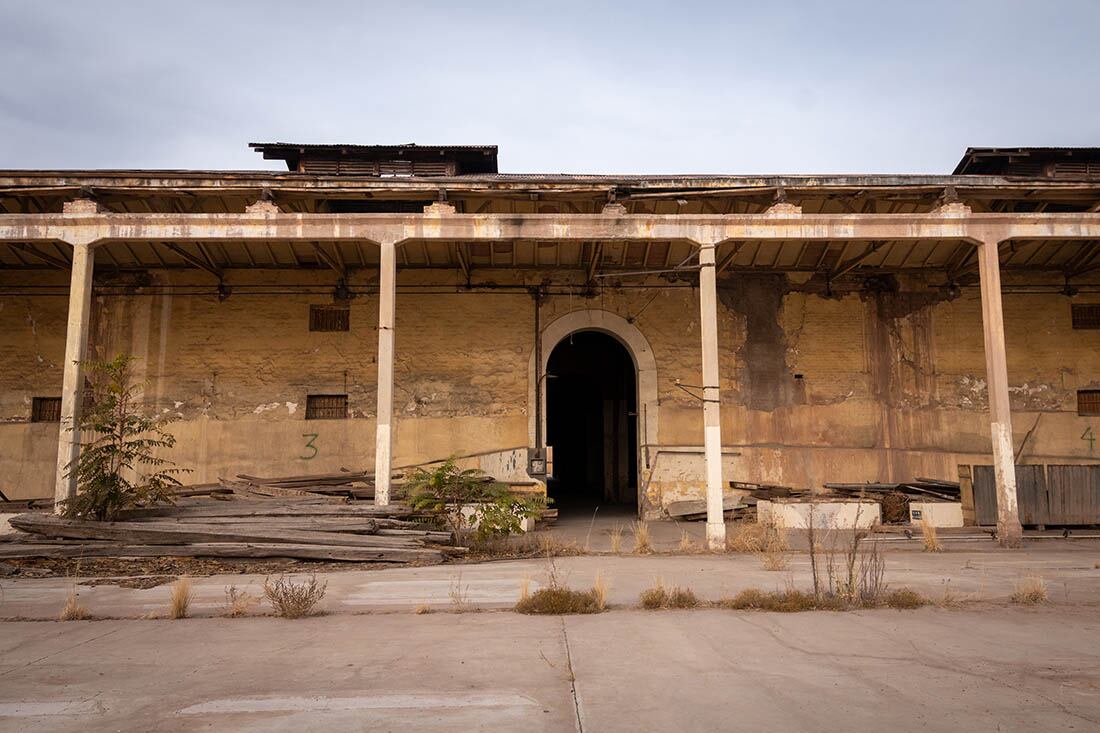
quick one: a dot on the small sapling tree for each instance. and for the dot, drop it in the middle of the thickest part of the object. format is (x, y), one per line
(118, 467)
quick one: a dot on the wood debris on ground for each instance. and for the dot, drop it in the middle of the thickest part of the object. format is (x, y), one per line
(739, 502)
(320, 517)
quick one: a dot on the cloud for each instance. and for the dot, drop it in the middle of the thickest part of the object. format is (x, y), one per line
(579, 87)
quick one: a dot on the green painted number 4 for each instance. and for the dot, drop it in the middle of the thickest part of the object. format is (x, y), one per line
(1088, 435)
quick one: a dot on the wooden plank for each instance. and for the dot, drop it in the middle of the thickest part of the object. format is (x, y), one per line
(689, 507)
(166, 533)
(318, 478)
(268, 509)
(227, 550)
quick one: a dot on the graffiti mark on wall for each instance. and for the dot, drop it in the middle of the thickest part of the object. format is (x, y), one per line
(310, 446)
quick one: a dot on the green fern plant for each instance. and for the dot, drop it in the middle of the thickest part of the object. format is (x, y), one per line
(118, 468)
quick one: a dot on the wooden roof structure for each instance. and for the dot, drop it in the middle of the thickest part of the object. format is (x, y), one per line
(350, 190)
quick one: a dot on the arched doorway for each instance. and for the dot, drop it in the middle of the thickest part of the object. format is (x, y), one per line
(592, 423)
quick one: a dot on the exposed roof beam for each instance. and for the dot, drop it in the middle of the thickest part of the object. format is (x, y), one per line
(843, 268)
(463, 260)
(206, 256)
(193, 260)
(967, 265)
(1083, 262)
(329, 259)
(594, 260)
(728, 259)
(35, 252)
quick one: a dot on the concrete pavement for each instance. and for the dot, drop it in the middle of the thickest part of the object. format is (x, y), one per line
(1003, 669)
(1069, 569)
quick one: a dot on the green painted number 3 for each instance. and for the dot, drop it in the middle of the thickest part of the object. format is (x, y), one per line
(1088, 435)
(309, 444)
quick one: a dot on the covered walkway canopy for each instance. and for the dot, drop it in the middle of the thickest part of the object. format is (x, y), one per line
(963, 227)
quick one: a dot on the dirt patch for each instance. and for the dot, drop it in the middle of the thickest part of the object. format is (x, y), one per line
(117, 568)
(139, 582)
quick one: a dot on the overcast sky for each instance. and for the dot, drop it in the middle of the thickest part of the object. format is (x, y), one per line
(632, 87)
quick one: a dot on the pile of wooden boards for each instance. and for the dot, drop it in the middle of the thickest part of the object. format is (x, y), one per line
(358, 485)
(739, 501)
(924, 488)
(894, 498)
(283, 527)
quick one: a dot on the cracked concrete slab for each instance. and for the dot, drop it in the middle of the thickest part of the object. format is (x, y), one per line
(999, 669)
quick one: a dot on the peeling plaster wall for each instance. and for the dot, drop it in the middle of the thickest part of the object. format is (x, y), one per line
(892, 381)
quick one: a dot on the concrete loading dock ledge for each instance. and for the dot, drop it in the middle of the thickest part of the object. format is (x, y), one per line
(837, 334)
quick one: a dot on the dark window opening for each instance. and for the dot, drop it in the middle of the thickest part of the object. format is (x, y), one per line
(1086, 316)
(326, 407)
(591, 423)
(329, 318)
(46, 409)
(1088, 402)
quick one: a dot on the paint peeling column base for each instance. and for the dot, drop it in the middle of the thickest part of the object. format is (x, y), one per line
(712, 420)
(1009, 531)
(72, 379)
(383, 442)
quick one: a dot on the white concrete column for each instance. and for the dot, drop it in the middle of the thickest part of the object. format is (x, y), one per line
(72, 380)
(383, 436)
(712, 422)
(1009, 531)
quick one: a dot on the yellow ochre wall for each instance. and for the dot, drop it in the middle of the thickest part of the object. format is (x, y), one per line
(892, 384)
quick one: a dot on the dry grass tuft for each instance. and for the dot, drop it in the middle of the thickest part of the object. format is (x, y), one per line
(524, 587)
(238, 602)
(682, 598)
(599, 587)
(617, 539)
(551, 545)
(774, 556)
(73, 610)
(529, 544)
(660, 597)
(688, 545)
(765, 539)
(745, 537)
(179, 599)
(929, 537)
(787, 601)
(422, 609)
(558, 600)
(1030, 591)
(642, 545)
(904, 598)
(948, 599)
(460, 594)
(294, 600)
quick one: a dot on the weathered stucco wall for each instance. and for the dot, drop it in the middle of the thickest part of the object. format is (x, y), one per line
(878, 385)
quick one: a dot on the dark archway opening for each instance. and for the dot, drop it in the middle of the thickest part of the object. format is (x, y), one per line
(591, 423)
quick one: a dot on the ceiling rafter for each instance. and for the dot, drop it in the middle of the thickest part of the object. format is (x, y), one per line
(194, 260)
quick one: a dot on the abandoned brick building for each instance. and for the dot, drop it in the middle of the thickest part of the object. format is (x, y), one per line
(379, 306)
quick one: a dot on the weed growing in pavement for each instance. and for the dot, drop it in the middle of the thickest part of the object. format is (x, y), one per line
(294, 600)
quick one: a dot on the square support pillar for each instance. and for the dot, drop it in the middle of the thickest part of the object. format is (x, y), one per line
(383, 433)
(72, 379)
(712, 421)
(1009, 531)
